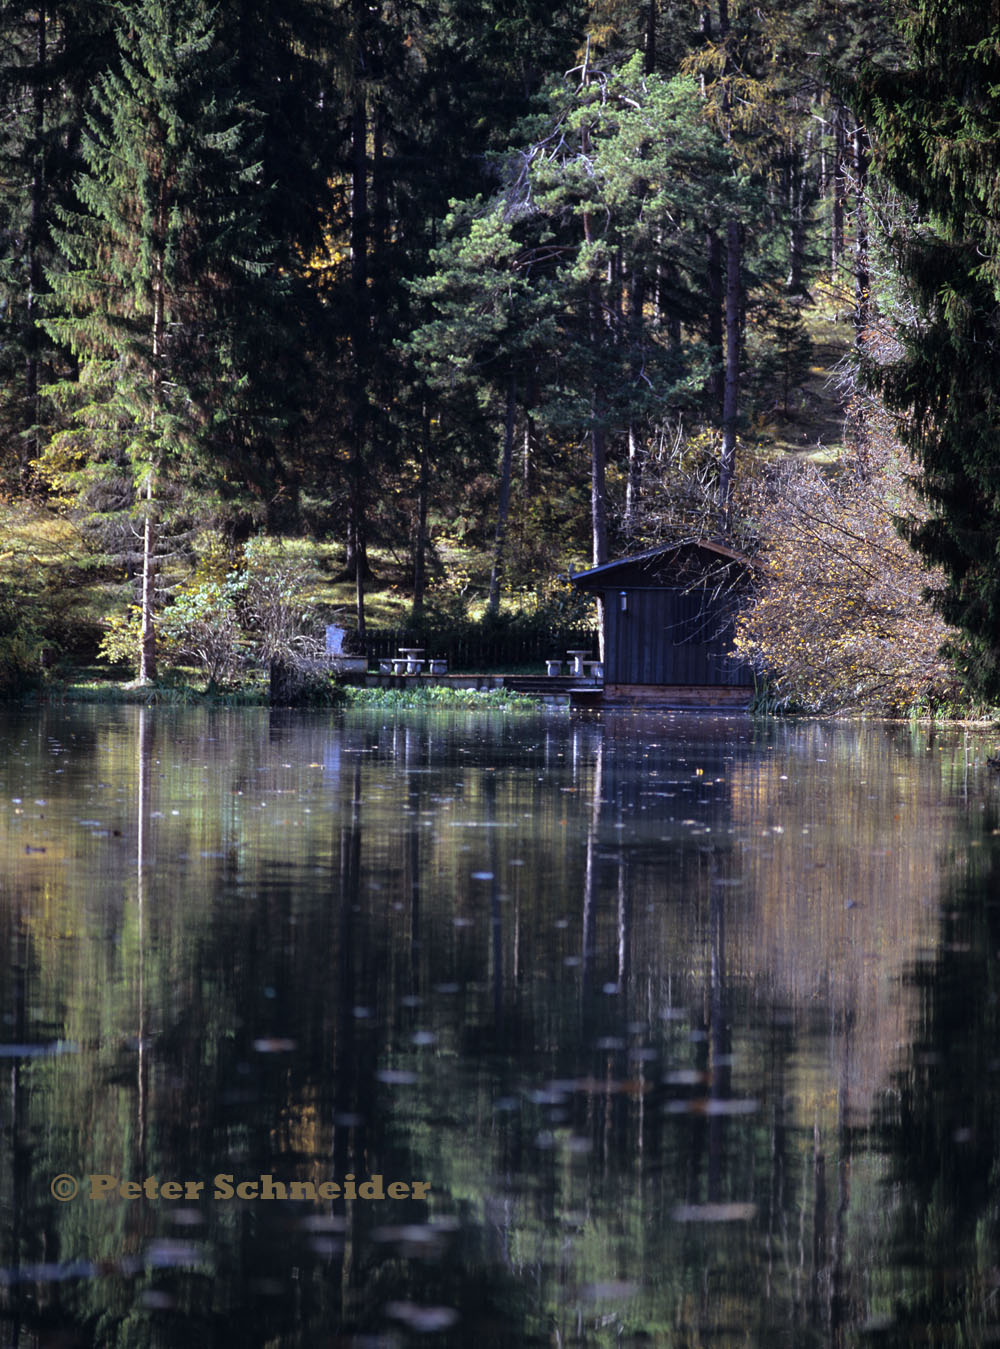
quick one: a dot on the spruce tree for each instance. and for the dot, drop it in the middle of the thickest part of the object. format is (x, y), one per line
(48, 55)
(935, 127)
(167, 279)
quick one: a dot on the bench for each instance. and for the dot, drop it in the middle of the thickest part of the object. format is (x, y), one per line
(553, 668)
(594, 669)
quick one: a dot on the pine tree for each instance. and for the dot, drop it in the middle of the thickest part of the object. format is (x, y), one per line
(494, 324)
(48, 54)
(935, 128)
(552, 280)
(167, 277)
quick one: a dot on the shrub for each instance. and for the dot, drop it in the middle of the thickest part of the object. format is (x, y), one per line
(20, 647)
(202, 625)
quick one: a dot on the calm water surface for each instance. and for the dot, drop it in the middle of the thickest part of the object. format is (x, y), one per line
(666, 1030)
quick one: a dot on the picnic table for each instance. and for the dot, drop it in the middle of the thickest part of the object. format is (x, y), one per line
(408, 661)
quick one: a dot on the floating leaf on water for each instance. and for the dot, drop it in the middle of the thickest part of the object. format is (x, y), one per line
(155, 1299)
(273, 1046)
(187, 1217)
(603, 1086)
(168, 1254)
(325, 1247)
(611, 1291)
(482, 875)
(323, 1222)
(685, 1077)
(396, 1077)
(551, 1095)
(46, 1051)
(48, 1272)
(714, 1213)
(711, 1105)
(422, 1319)
(410, 1234)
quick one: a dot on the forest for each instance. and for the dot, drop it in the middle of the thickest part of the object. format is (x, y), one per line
(389, 315)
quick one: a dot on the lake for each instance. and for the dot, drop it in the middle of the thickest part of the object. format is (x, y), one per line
(496, 1029)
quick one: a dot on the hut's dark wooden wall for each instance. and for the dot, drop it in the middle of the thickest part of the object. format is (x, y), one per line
(670, 635)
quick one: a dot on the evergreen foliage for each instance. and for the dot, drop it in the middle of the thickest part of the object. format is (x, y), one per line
(414, 277)
(936, 130)
(165, 297)
(48, 56)
(575, 279)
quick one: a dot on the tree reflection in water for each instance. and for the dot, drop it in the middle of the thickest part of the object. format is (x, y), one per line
(623, 992)
(937, 1265)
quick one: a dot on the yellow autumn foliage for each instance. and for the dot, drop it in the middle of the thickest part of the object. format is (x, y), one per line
(840, 617)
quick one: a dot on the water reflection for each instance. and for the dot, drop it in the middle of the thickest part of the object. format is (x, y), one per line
(666, 1029)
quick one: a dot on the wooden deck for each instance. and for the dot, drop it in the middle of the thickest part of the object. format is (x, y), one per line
(735, 698)
(580, 693)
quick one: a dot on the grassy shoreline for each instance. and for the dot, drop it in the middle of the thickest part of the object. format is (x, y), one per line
(340, 696)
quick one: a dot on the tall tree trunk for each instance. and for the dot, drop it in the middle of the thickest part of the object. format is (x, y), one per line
(357, 552)
(715, 316)
(598, 491)
(796, 203)
(632, 483)
(147, 638)
(730, 402)
(503, 505)
(529, 445)
(837, 210)
(862, 281)
(637, 304)
(649, 40)
(420, 542)
(30, 450)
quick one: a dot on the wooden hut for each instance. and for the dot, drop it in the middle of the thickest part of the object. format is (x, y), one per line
(669, 617)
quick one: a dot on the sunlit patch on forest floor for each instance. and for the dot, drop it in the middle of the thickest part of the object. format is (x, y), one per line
(813, 427)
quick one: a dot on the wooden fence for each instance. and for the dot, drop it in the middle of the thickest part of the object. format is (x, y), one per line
(482, 651)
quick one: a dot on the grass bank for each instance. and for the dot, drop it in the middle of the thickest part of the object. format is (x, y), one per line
(437, 695)
(340, 695)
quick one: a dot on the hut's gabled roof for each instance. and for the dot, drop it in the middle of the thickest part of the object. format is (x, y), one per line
(654, 560)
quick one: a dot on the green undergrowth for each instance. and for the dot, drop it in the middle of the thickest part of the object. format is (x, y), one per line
(338, 695)
(152, 695)
(437, 696)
